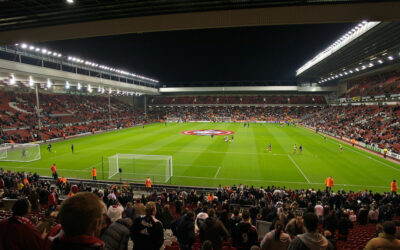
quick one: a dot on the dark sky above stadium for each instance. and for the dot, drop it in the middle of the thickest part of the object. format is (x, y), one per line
(232, 54)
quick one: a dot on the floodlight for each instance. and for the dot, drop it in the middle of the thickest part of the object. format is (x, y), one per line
(37, 49)
(54, 54)
(24, 45)
(89, 88)
(30, 81)
(70, 1)
(357, 69)
(110, 90)
(44, 51)
(31, 47)
(79, 86)
(12, 79)
(59, 55)
(371, 65)
(49, 84)
(351, 71)
(390, 58)
(67, 85)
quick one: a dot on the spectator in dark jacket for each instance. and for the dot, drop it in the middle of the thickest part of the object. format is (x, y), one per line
(235, 219)
(184, 230)
(246, 234)
(81, 219)
(116, 236)
(344, 225)
(166, 217)
(148, 232)
(213, 230)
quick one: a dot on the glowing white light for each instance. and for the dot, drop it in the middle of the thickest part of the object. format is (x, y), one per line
(390, 58)
(79, 86)
(67, 85)
(31, 47)
(49, 83)
(380, 61)
(12, 80)
(30, 81)
(351, 71)
(37, 49)
(89, 88)
(44, 51)
(24, 45)
(70, 1)
(371, 65)
(109, 90)
(357, 69)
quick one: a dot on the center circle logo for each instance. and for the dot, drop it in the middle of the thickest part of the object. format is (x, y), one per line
(207, 132)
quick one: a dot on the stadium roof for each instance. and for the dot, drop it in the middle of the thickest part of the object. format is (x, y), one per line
(44, 20)
(374, 45)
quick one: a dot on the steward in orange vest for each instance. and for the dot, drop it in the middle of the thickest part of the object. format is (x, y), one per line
(94, 173)
(329, 183)
(393, 187)
(148, 183)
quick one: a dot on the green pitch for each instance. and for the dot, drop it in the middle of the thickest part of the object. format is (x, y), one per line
(202, 161)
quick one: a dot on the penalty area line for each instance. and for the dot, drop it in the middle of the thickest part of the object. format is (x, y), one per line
(215, 176)
(297, 166)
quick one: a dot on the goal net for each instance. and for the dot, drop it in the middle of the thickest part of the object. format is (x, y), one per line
(137, 167)
(19, 152)
(223, 119)
(173, 119)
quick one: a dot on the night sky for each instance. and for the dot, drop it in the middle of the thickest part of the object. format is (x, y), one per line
(234, 54)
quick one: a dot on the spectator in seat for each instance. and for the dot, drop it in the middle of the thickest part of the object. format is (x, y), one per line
(116, 236)
(246, 234)
(276, 239)
(115, 211)
(385, 240)
(295, 226)
(18, 232)
(312, 239)
(213, 230)
(81, 220)
(185, 231)
(148, 232)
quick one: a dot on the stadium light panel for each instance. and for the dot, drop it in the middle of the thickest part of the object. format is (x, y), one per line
(37, 49)
(70, 1)
(30, 82)
(31, 47)
(44, 51)
(359, 30)
(12, 79)
(351, 71)
(371, 65)
(357, 69)
(89, 88)
(24, 45)
(79, 86)
(390, 58)
(49, 83)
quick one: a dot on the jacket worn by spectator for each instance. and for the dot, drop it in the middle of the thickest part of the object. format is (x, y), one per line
(80, 242)
(213, 230)
(19, 233)
(310, 241)
(246, 236)
(269, 241)
(183, 229)
(148, 233)
(116, 236)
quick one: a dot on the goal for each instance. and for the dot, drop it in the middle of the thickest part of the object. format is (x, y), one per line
(223, 119)
(138, 167)
(19, 152)
(173, 119)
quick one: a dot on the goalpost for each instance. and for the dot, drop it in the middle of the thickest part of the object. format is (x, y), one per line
(20, 152)
(138, 167)
(224, 119)
(174, 119)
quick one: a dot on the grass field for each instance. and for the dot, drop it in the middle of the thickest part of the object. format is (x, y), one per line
(200, 161)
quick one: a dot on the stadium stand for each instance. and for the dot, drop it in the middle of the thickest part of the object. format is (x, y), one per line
(353, 218)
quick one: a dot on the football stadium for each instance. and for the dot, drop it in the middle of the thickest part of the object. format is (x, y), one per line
(199, 125)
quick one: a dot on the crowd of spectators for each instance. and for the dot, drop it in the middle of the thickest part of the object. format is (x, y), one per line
(90, 216)
(373, 125)
(381, 84)
(61, 115)
(268, 99)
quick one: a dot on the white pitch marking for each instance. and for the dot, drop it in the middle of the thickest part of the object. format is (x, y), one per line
(297, 166)
(215, 176)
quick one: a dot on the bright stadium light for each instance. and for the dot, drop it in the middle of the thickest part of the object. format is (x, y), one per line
(89, 88)
(67, 85)
(390, 58)
(12, 79)
(44, 51)
(70, 1)
(37, 49)
(110, 90)
(30, 81)
(357, 69)
(380, 61)
(24, 45)
(31, 47)
(351, 71)
(79, 86)
(49, 83)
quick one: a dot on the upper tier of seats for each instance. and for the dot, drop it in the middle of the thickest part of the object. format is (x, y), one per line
(164, 100)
